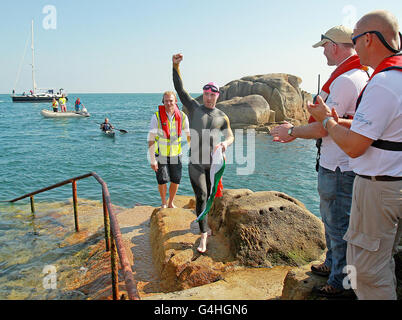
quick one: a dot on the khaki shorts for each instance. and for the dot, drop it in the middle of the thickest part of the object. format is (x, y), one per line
(372, 237)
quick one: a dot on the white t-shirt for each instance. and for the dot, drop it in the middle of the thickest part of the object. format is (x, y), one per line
(153, 127)
(344, 92)
(379, 116)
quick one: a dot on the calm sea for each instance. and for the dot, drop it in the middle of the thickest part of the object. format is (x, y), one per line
(37, 152)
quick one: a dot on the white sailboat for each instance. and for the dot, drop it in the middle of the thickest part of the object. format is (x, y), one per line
(35, 94)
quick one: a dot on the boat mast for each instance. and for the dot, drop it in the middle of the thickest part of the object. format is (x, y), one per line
(33, 60)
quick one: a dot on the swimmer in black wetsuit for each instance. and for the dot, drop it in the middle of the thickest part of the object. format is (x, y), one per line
(207, 125)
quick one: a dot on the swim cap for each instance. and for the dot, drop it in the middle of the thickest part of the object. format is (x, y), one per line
(211, 87)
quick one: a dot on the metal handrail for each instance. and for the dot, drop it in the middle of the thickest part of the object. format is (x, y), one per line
(113, 237)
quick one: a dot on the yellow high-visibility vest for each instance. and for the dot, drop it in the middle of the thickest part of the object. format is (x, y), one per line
(168, 147)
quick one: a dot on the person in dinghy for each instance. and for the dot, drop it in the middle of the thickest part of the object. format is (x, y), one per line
(55, 105)
(79, 106)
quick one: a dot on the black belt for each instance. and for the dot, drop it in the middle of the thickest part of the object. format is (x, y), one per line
(381, 178)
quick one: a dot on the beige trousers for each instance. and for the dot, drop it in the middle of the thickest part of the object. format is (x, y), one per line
(373, 236)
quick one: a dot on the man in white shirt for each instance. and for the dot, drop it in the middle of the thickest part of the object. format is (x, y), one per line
(335, 178)
(374, 141)
(167, 127)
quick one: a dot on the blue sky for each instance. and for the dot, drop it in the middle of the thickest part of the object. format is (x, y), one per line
(126, 46)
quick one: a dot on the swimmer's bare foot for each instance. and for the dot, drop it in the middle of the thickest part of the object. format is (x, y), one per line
(200, 251)
(171, 205)
(203, 243)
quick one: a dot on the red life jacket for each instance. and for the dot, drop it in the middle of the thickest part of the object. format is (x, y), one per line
(165, 121)
(393, 62)
(351, 63)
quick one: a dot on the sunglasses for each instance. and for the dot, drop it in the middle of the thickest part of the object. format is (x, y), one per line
(381, 37)
(211, 87)
(325, 37)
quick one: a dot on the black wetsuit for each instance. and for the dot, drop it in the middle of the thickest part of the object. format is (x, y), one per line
(207, 127)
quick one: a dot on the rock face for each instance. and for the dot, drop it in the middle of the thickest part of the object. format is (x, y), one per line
(249, 229)
(285, 99)
(299, 283)
(246, 111)
(267, 228)
(174, 239)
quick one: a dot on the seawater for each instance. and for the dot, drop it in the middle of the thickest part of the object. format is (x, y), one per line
(37, 152)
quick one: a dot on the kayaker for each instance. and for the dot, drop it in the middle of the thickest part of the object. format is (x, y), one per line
(164, 144)
(207, 125)
(106, 126)
(63, 101)
(55, 105)
(79, 105)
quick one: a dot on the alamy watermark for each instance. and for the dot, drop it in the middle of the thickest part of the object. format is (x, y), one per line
(350, 16)
(241, 153)
(349, 282)
(50, 279)
(50, 20)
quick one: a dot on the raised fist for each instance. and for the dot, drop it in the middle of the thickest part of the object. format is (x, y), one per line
(177, 58)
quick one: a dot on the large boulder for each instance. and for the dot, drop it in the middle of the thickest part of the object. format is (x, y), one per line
(249, 229)
(267, 228)
(281, 91)
(246, 111)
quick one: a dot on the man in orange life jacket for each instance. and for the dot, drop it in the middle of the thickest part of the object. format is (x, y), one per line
(167, 126)
(335, 178)
(374, 142)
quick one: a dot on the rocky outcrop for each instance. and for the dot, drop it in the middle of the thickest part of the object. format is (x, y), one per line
(174, 239)
(267, 228)
(299, 283)
(285, 99)
(246, 111)
(252, 229)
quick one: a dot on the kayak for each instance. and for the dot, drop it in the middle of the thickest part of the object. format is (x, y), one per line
(109, 133)
(68, 114)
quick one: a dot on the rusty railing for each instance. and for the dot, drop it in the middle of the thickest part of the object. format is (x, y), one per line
(113, 238)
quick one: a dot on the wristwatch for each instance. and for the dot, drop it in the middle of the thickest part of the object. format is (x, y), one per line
(290, 131)
(325, 121)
